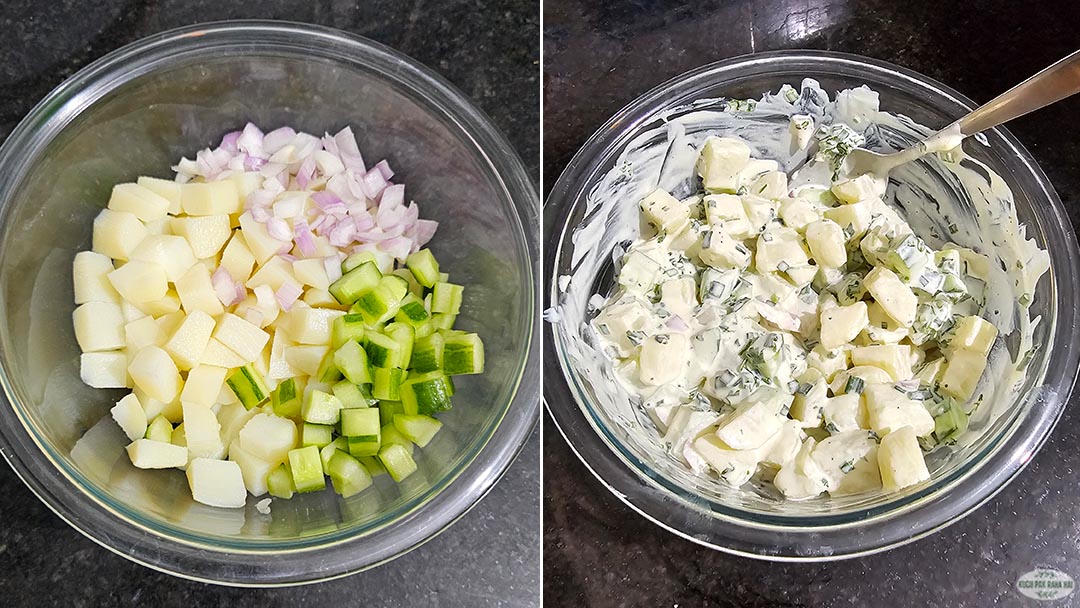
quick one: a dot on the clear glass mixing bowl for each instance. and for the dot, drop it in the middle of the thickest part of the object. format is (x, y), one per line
(749, 521)
(139, 109)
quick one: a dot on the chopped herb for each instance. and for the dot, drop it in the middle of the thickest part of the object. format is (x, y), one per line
(662, 338)
(854, 384)
(848, 466)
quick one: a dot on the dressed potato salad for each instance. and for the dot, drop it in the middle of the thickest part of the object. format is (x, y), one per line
(276, 315)
(803, 333)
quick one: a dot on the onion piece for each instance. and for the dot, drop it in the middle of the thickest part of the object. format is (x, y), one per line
(303, 237)
(332, 264)
(278, 139)
(384, 168)
(259, 213)
(278, 229)
(348, 151)
(392, 196)
(373, 183)
(287, 295)
(227, 290)
(400, 247)
(228, 142)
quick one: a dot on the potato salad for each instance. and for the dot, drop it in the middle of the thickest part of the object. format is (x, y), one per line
(805, 335)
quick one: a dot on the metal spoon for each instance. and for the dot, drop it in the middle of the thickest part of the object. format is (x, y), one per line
(1051, 85)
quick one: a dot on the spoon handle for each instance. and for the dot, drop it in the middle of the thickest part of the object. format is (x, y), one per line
(1053, 84)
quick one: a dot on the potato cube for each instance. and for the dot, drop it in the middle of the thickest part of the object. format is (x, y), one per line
(837, 455)
(679, 296)
(117, 233)
(129, 414)
(306, 358)
(154, 408)
(827, 243)
(901, 460)
(663, 211)
(165, 188)
(311, 272)
(663, 360)
(140, 281)
(771, 185)
(237, 259)
(726, 211)
(166, 305)
(889, 409)
(311, 325)
(169, 251)
(962, 374)
(855, 218)
(104, 369)
(203, 385)
(840, 325)
(254, 470)
(219, 355)
(148, 454)
(99, 326)
(217, 483)
(188, 342)
(90, 276)
(896, 298)
(883, 329)
(973, 333)
(246, 183)
(258, 240)
(144, 203)
(735, 467)
(639, 272)
(241, 337)
(798, 213)
(806, 406)
(750, 425)
(143, 332)
(210, 198)
(154, 371)
(269, 437)
(861, 188)
(722, 251)
(275, 273)
(760, 212)
(206, 235)
(802, 477)
(867, 373)
(721, 160)
(896, 359)
(842, 413)
(203, 432)
(828, 362)
(196, 292)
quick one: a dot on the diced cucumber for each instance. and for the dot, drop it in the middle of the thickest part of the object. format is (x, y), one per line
(287, 398)
(427, 355)
(387, 382)
(361, 446)
(360, 422)
(352, 361)
(415, 289)
(381, 303)
(248, 386)
(424, 267)
(356, 282)
(463, 354)
(383, 351)
(347, 474)
(317, 435)
(444, 277)
(392, 436)
(427, 393)
(357, 259)
(446, 298)
(399, 464)
(280, 482)
(950, 423)
(404, 335)
(387, 409)
(443, 321)
(340, 444)
(159, 429)
(373, 465)
(321, 408)
(425, 329)
(350, 395)
(307, 471)
(417, 429)
(328, 372)
(412, 311)
(346, 328)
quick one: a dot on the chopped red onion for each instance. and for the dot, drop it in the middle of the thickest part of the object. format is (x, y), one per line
(675, 323)
(384, 168)
(227, 290)
(342, 234)
(253, 163)
(373, 183)
(349, 152)
(392, 196)
(251, 140)
(332, 265)
(287, 294)
(327, 201)
(399, 247)
(425, 229)
(306, 172)
(278, 228)
(304, 241)
(228, 142)
(278, 139)
(259, 214)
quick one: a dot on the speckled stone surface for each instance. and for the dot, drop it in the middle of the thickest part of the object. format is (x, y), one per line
(598, 552)
(491, 557)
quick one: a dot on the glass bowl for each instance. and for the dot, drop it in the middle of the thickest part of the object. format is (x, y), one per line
(141, 108)
(605, 430)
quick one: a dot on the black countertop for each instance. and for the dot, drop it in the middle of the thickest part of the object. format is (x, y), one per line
(491, 557)
(597, 552)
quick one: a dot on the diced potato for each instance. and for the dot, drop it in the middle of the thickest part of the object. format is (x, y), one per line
(861, 188)
(807, 405)
(721, 160)
(779, 246)
(838, 455)
(159, 226)
(896, 359)
(760, 212)
(237, 259)
(172, 410)
(889, 409)
(196, 292)
(170, 321)
(203, 432)
(130, 311)
(755, 168)
(278, 367)
(798, 213)
(219, 355)
(275, 273)
(750, 425)
(855, 217)
(722, 251)
(188, 342)
(241, 337)
(154, 371)
(203, 385)
(311, 325)
(901, 460)
(233, 417)
(973, 333)
(170, 252)
(140, 281)
(254, 470)
(319, 298)
(117, 233)
(129, 414)
(145, 204)
(639, 272)
(90, 277)
(104, 370)
(258, 240)
(679, 296)
(883, 329)
(865, 475)
(166, 305)
(930, 372)
(827, 243)
(269, 437)
(143, 332)
(210, 198)
(802, 478)
(828, 362)
(663, 211)
(148, 454)
(306, 358)
(311, 272)
(664, 358)
(734, 467)
(246, 183)
(867, 373)
(962, 374)
(840, 325)
(206, 235)
(165, 188)
(726, 211)
(783, 446)
(99, 326)
(895, 298)
(841, 413)
(771, 185)
(217, 483)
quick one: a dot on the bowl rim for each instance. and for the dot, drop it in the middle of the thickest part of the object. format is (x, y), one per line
(427, 514)
(654, 500)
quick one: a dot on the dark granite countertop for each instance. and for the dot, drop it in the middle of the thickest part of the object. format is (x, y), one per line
(597, 58)
(491, 557)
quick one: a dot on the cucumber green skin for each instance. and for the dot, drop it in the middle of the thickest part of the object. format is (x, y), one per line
(346, 328)
(352, 361)
(159, 429)
(463, 355)
(307, 470)
(387, 409)
(357, 422)
(377, 305)
(322, 408)
(431, 392)
(248, 386)
(347, 474)
(355, 282)
(418, 429)
(286, 399)
(387, 383)
(424, 267)
(317, 435)
(363, 447)
(412, 312)
(328, 372)
(383, 351)
(399, 464)
(446, 298)
(404, 335)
